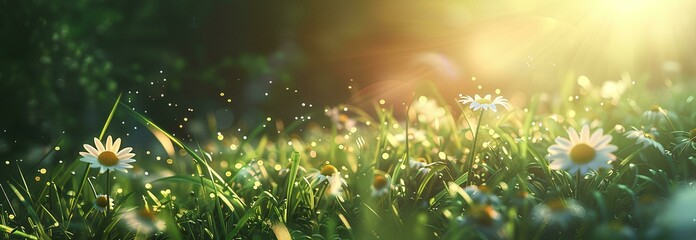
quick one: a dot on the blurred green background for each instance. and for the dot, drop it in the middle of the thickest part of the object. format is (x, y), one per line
(62, 63)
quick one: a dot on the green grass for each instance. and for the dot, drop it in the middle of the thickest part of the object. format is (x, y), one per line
(250, 185)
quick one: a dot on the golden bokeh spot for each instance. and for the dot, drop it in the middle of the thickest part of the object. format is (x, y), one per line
(108, 158)
(328, 170)
(102, 201)
(582, 154)
(379, 182)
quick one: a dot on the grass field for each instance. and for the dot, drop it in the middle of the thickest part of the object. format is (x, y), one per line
(594, 162)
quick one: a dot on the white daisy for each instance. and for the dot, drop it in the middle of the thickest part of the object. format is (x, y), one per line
(108, 157)
(482, 195)
(101, 202)
(645, 138)
(143, 220)
(380, 186)
(325, 173)
(477, 102)
(582, 152)
(654, 115)
(558, 213)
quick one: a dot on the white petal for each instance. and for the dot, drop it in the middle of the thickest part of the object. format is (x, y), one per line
(564, 142)
(602, 142)
(98, 145)
(102, 169)
(117, 144)
(91, 150)
(127, 160)
(573, 135)
(124, 151)
(125, 156)
(585, 133)
(109, 143)
(493, 108)
(596, 135)
(88, 159)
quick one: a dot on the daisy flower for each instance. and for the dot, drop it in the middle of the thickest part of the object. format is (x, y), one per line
(326, 173)
(645, 138)
(482, 195)
(654, 115)
(102, 201)
(582, 152)
(108, 157)
(558, 213)
(485, 221)
(477, 102)
(417, 164)
(143, 220)
(380, 186)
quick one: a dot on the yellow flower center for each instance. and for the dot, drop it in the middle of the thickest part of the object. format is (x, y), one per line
(582, 154)
(655, 108)
(102, 201)
(556, 205)
(484, 101)
(108, 158)
(380, 182)
(484, 215)
(146, 214)
(328, 170)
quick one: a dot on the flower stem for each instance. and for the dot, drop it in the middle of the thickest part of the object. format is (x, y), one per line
(473, 151)
(108, 190)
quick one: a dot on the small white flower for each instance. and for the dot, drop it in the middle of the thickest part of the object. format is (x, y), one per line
(654, 115)
(334, 180)
(482, 195)
(417, 164)
(101, 203)
(341, 120)
(380, 186)
(558, 213)
(645, 138)
(582, 152)
(477, 102)
(143, 220)
(108, 157)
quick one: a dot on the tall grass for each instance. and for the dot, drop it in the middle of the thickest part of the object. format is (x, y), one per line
(452, 175)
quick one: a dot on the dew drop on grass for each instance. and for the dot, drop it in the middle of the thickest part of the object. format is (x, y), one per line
(148, 186)
(42, 171)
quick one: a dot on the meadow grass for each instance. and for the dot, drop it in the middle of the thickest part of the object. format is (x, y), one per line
(446, 172)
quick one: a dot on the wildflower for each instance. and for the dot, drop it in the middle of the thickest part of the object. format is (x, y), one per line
(482, 195)
(614, 89)
(477, 102)
(101, 202)
(484, 220)
(380, 186)
(428, 111)
(654, 115)
(678, 216)
(342, 121)
(614, 230)
(414, 136)
(582, 152)
(143, 220)
(417, 164)
(326, 173)
(108, 157)
(558, 213)
(330, 174)
(645, 138)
